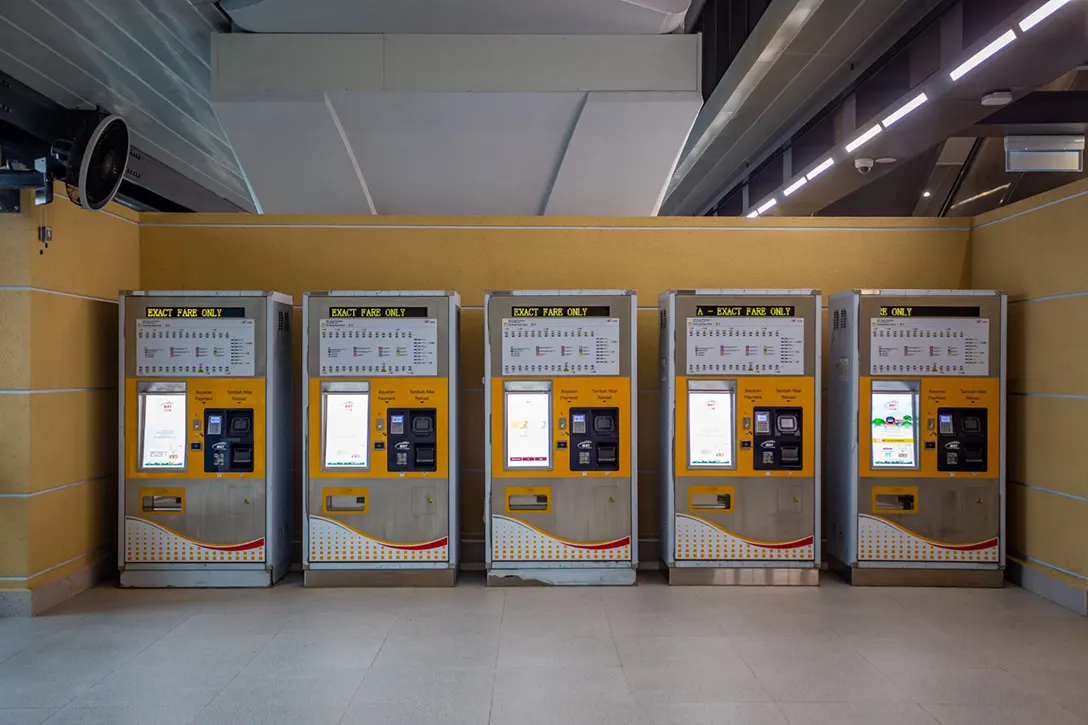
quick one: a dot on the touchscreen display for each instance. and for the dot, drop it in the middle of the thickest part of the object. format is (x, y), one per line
(528, 430)
(710, 428)
(164, 442)
(893, 430)
(347, 430)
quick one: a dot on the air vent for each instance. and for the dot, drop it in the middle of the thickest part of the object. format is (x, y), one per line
(458, 320)
(664, 319)
(283, 320)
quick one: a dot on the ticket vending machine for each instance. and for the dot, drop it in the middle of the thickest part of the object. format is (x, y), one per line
(740, 432)
(380, 439)
(560, 391)
(205, 439)
(916, 437)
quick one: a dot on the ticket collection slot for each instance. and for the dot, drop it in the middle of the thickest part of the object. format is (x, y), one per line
(712, 502)
(171, 504)
(356, 504)
(594, 439)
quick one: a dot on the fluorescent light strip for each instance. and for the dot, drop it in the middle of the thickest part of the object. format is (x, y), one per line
(752, 214)
(827, 164)
(982, 55)
(1045, 10)
(795, 186)
(905, 109)
(862, 139)
(767, 205)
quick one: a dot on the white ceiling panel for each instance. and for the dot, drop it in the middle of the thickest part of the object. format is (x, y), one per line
(456, 153)
(622, 153)
(294, 157)
(458, 16)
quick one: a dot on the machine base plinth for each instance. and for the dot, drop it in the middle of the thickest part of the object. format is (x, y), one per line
(380, 577)
(743, 576)
(530, 577)
(195, 578)
(920, 577)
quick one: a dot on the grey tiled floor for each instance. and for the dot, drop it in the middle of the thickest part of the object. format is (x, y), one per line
(646, 655)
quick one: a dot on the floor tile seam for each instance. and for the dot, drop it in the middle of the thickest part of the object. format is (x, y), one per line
(495, 664)
(1074, 714)
(785, 715)
(59, 630)
(94, 684)
(232, 679)
(369, 671)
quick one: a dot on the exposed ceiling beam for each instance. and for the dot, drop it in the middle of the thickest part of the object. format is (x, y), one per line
(953, 96)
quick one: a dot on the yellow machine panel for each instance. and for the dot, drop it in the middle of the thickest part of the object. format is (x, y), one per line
(753, 393)
(612, 392)
(201, 394)
(389, 393)
(935, 394)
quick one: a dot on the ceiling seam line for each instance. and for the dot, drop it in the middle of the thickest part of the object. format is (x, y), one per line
(132, 131)
(178, 77)
(351, 152)
(563, 156)
(556, 227)
(121, 65)
(166, 152)
(164, 26)
(127, 100)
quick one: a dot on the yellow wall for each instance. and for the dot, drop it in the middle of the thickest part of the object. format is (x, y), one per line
(1035, 251)
(58, 393)
(298, 254)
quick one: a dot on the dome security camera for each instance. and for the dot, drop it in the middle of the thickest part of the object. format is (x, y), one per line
(864, 166)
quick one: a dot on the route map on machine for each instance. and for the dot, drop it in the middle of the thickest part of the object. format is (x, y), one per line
(930, 345)
(746, 345)
(192, 348)
(380, 346)
(561, 346)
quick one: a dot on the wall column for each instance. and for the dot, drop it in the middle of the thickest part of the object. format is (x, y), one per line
(58, 398)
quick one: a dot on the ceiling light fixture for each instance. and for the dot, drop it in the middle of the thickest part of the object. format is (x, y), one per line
(977, 59)
(767, 205)
(1044, 11)
(976, 197)
(795, 186)
(926, 195)
(752, 214)
(863, 139)
(827, 164)
(997, 98)
(905, 109)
